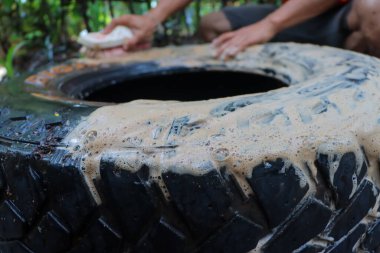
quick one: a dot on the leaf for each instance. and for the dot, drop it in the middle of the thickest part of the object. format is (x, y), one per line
(9, 57)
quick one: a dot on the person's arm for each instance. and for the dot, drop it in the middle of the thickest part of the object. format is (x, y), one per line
(165, 8)
(290, 14)
(144, 26)
(297, 11)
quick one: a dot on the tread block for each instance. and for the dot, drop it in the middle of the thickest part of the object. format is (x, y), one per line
(74, 203)
(345, 177)
(248, 206)
(163, 238)
(363, 200)
(239, 235)
(347, 244)
(100, 237)
(13, 247)
(12, 224)
(323, 190)
(129, 198)
(372, 239)
(24, 185)
(279, 188)
(50, 235)
(202, 200)
(313, 215)
(362, 173)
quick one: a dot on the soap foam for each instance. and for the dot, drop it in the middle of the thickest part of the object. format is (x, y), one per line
(324, 84)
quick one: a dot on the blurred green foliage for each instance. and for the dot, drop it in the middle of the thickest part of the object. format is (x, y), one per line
(41, 31)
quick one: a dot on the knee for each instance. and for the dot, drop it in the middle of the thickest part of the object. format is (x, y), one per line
(207, 27)
(367, 17)
(212, 25)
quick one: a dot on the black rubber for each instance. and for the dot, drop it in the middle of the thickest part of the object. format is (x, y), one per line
(46, 206)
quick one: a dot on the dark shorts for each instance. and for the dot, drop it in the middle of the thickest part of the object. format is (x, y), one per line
(329, 29)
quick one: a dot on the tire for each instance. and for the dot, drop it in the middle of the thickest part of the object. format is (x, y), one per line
(290, 170)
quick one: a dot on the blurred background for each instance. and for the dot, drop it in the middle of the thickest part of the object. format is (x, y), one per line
(34, 33)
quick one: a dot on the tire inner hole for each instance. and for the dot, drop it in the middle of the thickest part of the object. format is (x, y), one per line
(125, 84)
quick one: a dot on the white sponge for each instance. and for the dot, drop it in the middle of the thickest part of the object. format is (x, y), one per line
(99, 40)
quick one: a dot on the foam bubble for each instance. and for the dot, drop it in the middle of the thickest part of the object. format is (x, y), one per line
(317, 114)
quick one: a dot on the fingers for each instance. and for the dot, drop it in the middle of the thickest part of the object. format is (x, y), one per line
(123, 20)
(142, 29)
(143, 46)
(230, 52)
(139, 41)
(229, 48)
(109, 28)
(130, 44)
(222, 39)
(228, 45)
(114, 52)
(109, 53)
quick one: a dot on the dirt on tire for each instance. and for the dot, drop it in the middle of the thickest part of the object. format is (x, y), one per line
(293, 169)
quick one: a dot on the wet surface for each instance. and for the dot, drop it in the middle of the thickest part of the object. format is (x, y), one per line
(329, 107)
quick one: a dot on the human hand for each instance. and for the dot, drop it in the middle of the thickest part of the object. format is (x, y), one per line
(110, 52)
(229, 44)
(142, 28)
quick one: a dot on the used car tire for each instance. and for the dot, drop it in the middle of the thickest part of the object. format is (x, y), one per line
(289, 170)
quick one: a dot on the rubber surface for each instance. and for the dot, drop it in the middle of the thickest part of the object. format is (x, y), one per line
(47, 206)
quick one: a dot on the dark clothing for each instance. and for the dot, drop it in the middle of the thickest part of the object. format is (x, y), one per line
(329, 29)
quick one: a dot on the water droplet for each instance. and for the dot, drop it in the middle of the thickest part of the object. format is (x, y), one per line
(267, 165)
(91, 135)
(221, 154)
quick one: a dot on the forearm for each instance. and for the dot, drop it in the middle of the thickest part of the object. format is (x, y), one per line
(297, 11)
(165, 8)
